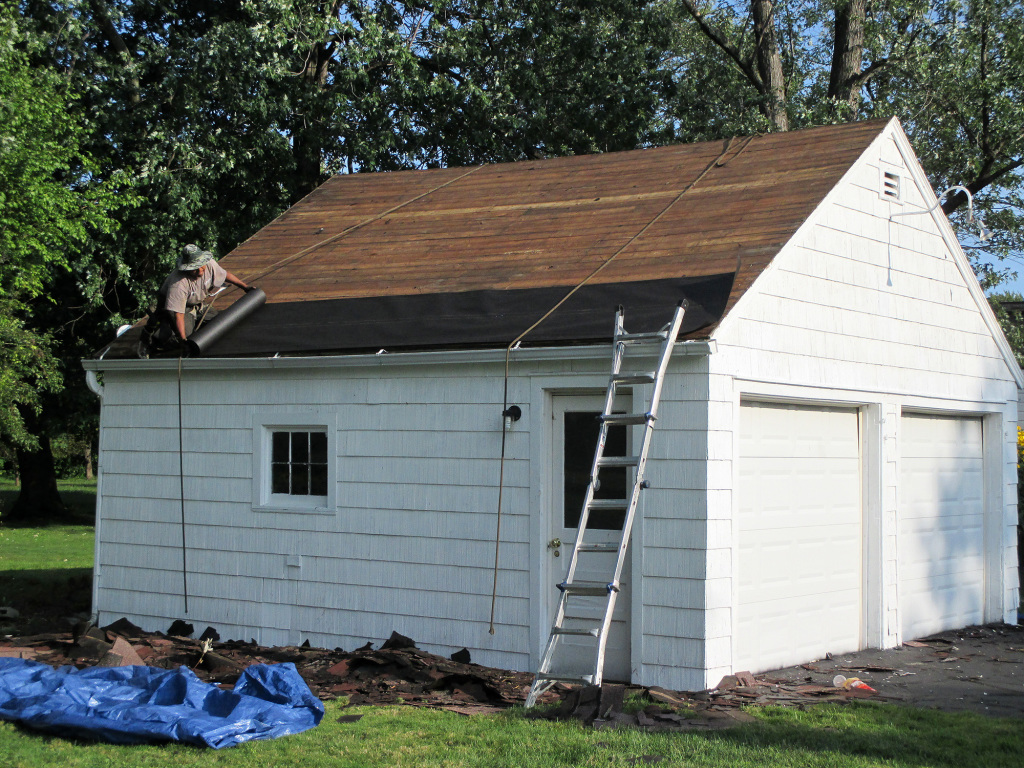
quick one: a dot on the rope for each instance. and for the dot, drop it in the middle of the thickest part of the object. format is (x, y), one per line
(348, 230)
(181, 478)
(719, 162)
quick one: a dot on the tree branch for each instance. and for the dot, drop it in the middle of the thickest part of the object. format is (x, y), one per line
(117, 43)
(718, 38)
(959, 199)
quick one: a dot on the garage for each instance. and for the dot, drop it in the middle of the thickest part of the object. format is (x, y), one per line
(800, 534)
(941, 530)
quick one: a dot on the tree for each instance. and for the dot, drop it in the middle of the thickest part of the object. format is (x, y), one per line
(960, 102)
(218, 114)
(49, 205)
(949, 69)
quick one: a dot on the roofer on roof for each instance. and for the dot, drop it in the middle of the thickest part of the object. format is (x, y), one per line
(179, 307)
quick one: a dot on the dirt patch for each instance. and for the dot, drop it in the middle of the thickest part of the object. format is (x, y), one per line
(979, 669)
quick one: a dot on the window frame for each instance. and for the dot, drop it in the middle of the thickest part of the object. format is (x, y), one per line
(264, 427)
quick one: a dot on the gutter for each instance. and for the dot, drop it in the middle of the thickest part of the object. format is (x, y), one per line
(92, 380)
(701, 348)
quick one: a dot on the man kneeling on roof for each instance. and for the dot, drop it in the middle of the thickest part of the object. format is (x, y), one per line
(179, 302)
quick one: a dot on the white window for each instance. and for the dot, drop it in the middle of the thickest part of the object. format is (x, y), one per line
(293, 463)
(298, 462)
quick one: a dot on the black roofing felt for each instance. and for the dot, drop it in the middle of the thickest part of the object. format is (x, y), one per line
(473, 319)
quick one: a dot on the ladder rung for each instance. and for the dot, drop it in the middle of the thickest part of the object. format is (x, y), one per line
(627, 418)
(578, 632)
(564, 678)
(599, 546)
(618, 461)
(588, 588)
(641, 338)
(634, 378)
(666, 336)
(610, 504)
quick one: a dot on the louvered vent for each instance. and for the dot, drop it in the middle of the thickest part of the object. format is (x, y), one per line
(891, 186)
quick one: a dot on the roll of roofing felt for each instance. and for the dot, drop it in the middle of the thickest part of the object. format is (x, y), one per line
(210, 333)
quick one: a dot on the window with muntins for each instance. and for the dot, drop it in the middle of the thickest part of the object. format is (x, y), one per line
(298, 463)
(294, 462)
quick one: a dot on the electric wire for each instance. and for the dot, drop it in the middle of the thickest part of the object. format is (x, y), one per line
(719, 162)
(181, 478)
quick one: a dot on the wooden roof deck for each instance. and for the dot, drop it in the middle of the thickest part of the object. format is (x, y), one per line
(550, 223)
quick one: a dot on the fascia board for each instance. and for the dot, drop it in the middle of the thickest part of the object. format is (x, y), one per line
(447, 357)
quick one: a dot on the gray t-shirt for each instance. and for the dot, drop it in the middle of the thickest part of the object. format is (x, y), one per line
(183, 293)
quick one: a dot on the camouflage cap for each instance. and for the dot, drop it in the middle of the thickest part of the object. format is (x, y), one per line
(193, 257)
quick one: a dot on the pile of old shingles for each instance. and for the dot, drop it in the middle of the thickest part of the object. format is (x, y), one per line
(398, 672)
(657, 709)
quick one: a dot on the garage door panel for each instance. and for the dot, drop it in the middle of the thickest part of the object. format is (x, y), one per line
(941, 531)
(944, 573)
(800, 534)
(820, 569)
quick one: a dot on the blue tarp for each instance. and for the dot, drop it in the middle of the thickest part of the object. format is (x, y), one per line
(133, 705)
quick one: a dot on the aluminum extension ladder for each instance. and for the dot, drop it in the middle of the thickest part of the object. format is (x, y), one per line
(548, 673)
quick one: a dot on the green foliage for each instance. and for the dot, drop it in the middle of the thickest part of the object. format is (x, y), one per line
(536, 79)
(49, 206)
(958, 95)
(1011, 320)
(26, 369)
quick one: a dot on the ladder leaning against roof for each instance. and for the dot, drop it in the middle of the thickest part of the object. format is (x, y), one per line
(548, 671)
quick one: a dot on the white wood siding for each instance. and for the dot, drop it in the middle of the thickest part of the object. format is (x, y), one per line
(409, 548)
(861, 310)
(674, 531)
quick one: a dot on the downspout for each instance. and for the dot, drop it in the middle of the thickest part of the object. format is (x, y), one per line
(93, 382)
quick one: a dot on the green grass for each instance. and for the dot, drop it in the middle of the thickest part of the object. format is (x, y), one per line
(826, 736)
(46, 571)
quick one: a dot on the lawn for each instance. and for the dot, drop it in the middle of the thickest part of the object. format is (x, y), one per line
(46, 572)
(854, 735)
(48, 568)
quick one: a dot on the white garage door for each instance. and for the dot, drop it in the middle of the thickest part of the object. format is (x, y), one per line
(941, 544)
(800, 535)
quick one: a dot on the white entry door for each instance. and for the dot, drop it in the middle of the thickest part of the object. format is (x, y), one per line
(942, 512)
(800, 545)
(574, 438)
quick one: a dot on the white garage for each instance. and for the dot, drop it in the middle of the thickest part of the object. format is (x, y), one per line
(800, 534)
(801, 497)
(941, 530)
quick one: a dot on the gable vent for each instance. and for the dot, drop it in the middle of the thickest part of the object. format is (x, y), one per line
(891, 186)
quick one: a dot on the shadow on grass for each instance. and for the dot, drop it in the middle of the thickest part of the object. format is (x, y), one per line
(885, 732)
(45, 598)
(79, 498)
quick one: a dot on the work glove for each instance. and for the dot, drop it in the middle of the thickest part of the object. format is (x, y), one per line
(249, 288)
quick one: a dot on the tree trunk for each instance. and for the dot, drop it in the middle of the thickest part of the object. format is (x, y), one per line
(307, 145)
(88, 461)
(39, 500)
(848, 53)
(769, 63)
